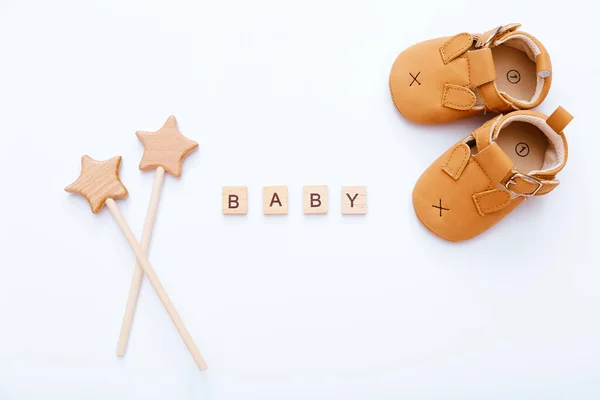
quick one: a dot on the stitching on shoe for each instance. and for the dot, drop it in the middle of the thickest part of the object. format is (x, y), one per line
(483, 210)
(489, 186)
(462, 165)
(469, 72)
(448, 58)
(458, 89)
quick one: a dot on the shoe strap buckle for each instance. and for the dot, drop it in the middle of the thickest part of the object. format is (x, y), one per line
(489, 38)
(527, 178)
(494, 33)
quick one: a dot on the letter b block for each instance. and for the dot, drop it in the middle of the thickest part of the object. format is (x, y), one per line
(315, 199)
(235, 200)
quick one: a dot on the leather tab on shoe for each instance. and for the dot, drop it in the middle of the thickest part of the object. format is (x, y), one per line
(559, 119)
(481, 67)
(455, 46)
(491, 200)
(457, 161)
(543, 66)
(458, 97)
(495, 163)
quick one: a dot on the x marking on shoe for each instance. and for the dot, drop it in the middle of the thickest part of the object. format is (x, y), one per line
(440, 207)
(415, 78)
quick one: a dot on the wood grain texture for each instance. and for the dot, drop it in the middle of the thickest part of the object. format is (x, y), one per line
(315, 199)
(354, 199)
(275, 200)
(166, 148)
(99, 181)
(158, 287)
(138, 274)
(235, 200)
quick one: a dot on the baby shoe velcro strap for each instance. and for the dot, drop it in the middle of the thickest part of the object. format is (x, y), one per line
(495, 163)
(521, 185)
(492, 98)
(481, 67)
(457, 161)
(496, 166)
(559, 120)
(491, 200)
(458, 97)
(456, 46)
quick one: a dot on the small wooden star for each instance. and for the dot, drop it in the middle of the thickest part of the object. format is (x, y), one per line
(98, 182)
(166, 148)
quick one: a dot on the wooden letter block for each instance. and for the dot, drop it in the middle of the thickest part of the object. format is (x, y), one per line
(354, 199)
(315, 200)
(235, 200)
(275, 200)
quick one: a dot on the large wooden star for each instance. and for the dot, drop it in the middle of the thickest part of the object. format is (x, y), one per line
(98, 182)
(166, 148)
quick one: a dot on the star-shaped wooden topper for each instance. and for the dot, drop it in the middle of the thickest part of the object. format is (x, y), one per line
(166, 148)
(98, 182)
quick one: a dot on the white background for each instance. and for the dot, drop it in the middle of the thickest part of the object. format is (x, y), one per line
(292, 307)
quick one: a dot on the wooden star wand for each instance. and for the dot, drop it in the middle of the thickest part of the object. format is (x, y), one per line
(99, 183)
(164, 150)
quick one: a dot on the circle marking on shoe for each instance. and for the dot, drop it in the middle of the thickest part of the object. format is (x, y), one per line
(522, 149)
(513, 76)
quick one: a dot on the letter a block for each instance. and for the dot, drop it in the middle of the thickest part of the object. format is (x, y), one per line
(315, 199)
(235, 200)
(354, 199)
(275, 200)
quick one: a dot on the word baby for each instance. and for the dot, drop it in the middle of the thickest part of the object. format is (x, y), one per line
(275, 200)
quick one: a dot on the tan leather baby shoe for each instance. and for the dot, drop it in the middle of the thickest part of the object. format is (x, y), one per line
(490, 172)
(450, 78)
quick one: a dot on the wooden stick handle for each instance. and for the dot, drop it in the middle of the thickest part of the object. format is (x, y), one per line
(160, 291)
(138, 273)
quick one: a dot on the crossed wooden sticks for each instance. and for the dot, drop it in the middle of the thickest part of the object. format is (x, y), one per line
(99, 183)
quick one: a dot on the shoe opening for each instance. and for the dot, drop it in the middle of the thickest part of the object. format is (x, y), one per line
(515, 63)
(531, 144)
